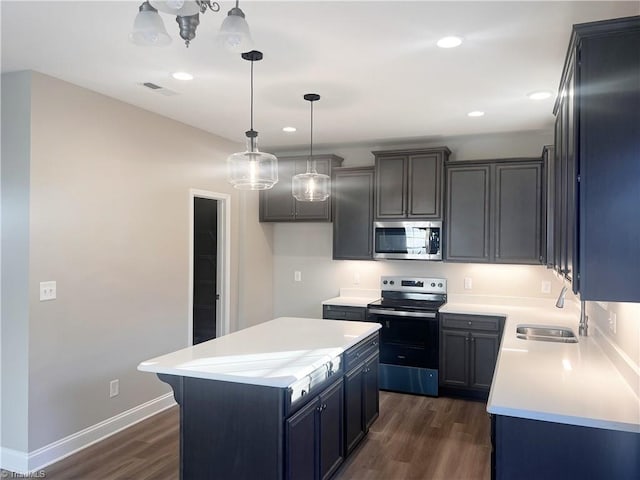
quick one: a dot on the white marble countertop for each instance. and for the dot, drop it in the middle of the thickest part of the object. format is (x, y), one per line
(571, 383)
(275, 353)
(354, 297)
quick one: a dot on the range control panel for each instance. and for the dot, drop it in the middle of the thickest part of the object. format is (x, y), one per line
(413, 284)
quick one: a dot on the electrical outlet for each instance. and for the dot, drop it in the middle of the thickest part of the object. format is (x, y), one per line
(356, 278)
(47, 291)
(114, 388)
(546, 287)
(613, 324)
(297, 276)
(468, 283)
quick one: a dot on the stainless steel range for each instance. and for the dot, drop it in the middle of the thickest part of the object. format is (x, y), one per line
(409, 338)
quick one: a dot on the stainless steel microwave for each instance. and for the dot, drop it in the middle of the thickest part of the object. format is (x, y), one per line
(407, 240)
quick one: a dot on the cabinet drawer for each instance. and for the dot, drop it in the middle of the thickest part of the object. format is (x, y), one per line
(470, 322)
(359, 352)
(335, 312)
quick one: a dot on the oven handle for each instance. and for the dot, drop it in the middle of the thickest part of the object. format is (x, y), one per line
(396, 313)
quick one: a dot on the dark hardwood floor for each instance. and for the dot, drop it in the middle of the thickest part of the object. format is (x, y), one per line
(414, 438)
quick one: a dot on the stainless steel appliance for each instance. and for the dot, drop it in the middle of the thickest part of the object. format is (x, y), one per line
(409, 338)
(407, 240)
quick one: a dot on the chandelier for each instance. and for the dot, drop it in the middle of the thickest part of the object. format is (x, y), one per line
(149, 29)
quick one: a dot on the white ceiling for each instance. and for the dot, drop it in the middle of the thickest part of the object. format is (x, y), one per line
(374, 63)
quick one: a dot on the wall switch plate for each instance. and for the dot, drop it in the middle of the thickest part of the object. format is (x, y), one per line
(297, 276)
(613, 323)
(47, 291)
(546, 287)
(114, 388)
(356, 278)
(468, 283)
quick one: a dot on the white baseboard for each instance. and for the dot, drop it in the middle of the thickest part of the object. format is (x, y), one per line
(23, 463)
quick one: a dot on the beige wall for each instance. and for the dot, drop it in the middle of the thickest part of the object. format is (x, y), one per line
(109, 221)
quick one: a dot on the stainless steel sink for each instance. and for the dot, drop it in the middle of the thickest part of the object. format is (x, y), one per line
(543, 333)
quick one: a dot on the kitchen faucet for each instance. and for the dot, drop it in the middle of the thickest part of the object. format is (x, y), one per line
(560, 301)
(583, 326)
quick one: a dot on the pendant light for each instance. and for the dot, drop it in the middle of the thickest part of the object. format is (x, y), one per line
(311, 186)
(252, 169)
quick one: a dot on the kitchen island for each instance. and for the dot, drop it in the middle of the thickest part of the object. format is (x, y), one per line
(283, 399)
(559, 410)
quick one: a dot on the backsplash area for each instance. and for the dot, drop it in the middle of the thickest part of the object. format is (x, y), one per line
(308, 249)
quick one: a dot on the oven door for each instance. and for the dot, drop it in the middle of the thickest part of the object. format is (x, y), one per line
(407, 338)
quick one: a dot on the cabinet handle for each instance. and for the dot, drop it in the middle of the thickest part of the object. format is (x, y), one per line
(374, 343)
(466, 339)
(469, 323)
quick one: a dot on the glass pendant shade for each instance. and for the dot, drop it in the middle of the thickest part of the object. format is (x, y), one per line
(179, 8)
(234, 32)
(148, 28)
(311, 186)
(252, 169)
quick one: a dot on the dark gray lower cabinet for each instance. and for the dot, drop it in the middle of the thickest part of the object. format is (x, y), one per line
(344, 312)
(494, 211)
(532, 449)
(361, 400)
(469, 347)
(314, 437)
(353, 213)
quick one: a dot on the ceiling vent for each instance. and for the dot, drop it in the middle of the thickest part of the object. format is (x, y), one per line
(159, 89)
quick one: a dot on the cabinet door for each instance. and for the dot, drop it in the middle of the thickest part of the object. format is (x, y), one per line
(371, 391)
(301, 443)
(484, 352)
(353, 404)
(424, 181)
(572, 172)
(331, 430)
(454, 358)
(467, 223)
(312, 210)
(391, 181)
(277, 203)
(517, 213)
(353, 214)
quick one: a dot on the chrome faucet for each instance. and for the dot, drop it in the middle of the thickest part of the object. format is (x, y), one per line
(560, 301)
(583, 326)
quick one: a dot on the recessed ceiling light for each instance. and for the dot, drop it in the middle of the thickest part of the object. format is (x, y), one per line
(182, 76)
(449, 42)
(542, 95)
(475, 113)
(289, 129)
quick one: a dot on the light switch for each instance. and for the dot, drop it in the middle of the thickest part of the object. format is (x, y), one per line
(47, 291)
(468, 283)
(297, 276)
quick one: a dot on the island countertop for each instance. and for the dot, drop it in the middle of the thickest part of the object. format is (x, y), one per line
(570, 383)
(275, 353)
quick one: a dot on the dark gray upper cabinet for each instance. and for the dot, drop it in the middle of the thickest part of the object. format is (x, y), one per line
(467, 213)
(408, 183)
(353, 213)
(494, 211)
(597, 129)
(278, 205)
(518, 213)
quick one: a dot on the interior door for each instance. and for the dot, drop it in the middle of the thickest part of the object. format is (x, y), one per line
(205, 268)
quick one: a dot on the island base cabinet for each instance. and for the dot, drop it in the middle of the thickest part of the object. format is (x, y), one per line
(361, 401)
(533, 449)
(314, 437)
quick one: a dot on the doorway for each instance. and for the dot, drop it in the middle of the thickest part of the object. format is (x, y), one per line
(205, 269)
(209, 266)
